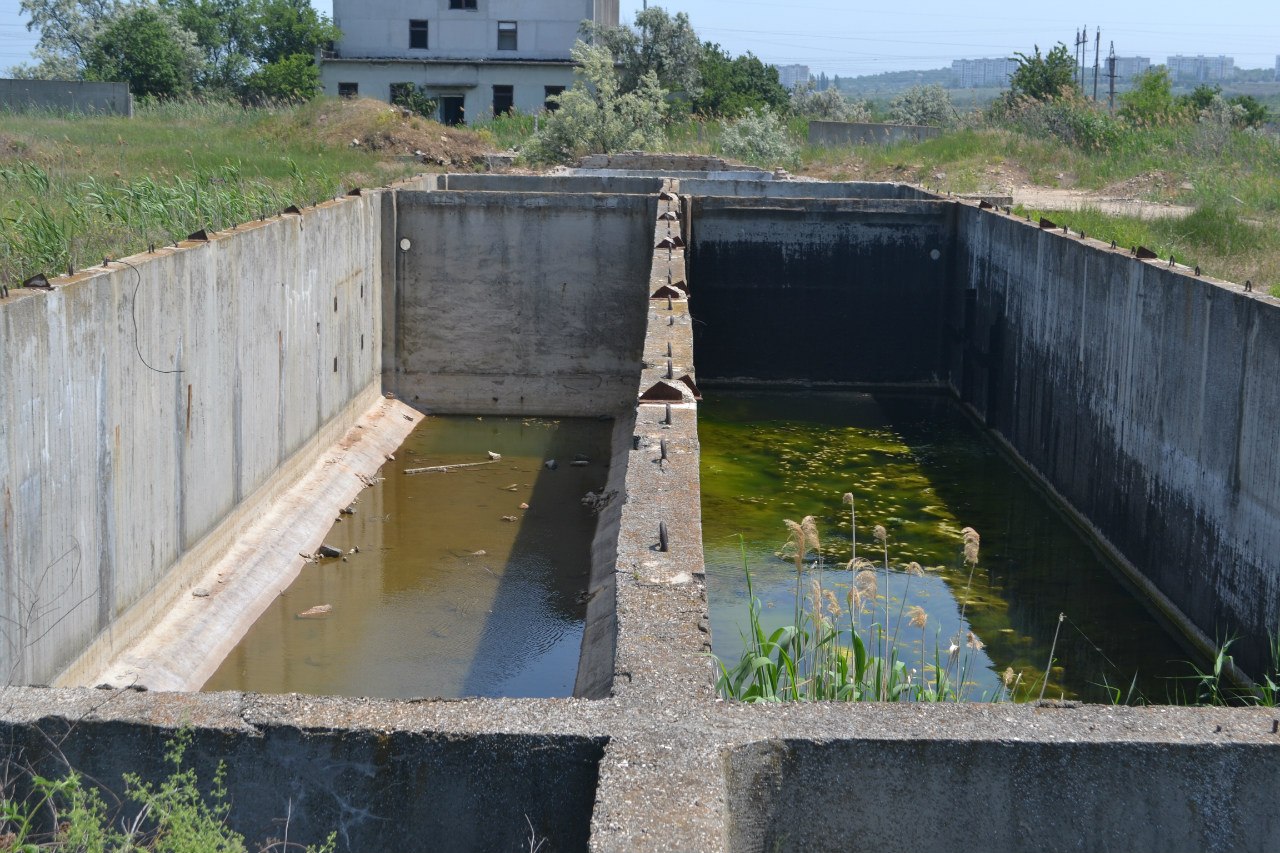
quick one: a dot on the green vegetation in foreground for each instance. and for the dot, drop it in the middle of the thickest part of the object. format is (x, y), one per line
(174, 816)
(76, 189)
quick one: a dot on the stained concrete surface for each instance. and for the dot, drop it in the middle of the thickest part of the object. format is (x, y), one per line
(660, 764)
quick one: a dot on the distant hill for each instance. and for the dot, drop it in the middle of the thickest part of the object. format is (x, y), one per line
(892, 82)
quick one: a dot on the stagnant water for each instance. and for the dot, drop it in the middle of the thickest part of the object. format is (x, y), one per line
(920, 468)
(455, 590)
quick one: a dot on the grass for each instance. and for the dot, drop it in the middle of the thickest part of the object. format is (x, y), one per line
(849, 651)
(75, 189)
(68, 816)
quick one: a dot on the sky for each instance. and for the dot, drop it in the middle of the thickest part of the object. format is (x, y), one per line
(851, 39)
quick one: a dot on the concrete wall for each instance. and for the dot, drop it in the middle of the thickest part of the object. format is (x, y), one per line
(545, 29)
(836, 291)
(831, 134)
(506, 303)
(1146, 397)
(66, 96)
(798, 189)
(143, 406)
(551, 184)
(472, 81)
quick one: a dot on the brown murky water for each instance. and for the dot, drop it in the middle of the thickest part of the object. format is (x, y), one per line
(455, 589)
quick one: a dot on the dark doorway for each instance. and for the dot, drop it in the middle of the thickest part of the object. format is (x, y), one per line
(504, 99)
(451, 109)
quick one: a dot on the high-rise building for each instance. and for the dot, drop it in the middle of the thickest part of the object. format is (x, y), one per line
(982, 73)
(791, 76)
(1129, 67)
(1201, 69)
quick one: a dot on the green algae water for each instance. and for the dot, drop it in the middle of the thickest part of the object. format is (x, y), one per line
(920, 468)
(465, 583)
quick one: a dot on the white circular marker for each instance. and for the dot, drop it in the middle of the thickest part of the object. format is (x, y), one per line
(405, 244)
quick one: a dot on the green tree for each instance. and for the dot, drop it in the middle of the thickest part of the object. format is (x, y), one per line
(1254, 114)
(146, 48)
(732, 86)
(1150, 101)
(596, 116)
(658, 44)
(67, 30)
(923, 105)
(827, 105)
(293, 78)
(289, 28)
(225, 31)
(1044, 78)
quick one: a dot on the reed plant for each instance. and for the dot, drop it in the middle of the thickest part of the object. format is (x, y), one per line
(846, 648)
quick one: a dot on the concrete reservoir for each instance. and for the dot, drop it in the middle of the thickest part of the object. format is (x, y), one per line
(179, 429)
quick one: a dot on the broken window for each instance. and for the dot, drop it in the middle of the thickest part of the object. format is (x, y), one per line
(547, 102)
(462, 4)
(348, 90)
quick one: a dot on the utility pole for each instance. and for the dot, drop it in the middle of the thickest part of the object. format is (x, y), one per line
(1082, 39)
(1097, 50)
(1111, 77)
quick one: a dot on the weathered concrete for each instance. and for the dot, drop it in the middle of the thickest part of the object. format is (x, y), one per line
(736, 174)
(72, 96)
(820, 290)
(663, 164)
(1031, 329)
(551, 184)
(1143, 395)
(504, 306)
(160, 403)
(867, 190)
(832, 134)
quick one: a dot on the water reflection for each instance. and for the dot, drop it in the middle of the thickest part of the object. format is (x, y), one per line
(448, 587)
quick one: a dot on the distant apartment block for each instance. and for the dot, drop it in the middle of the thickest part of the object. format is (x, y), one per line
(791, 76)
(1278, 67)
(982, 73)
(1201, 69)
(1129, 67)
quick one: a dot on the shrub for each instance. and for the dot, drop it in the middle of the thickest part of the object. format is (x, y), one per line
(925, 105)
(1044, 78)
(595, 117)
(1070, 118)
(1151, 99)
(759, 137)
(827, 105)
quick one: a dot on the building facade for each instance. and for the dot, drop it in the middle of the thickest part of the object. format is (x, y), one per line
(1201, 69)
(1129, 67)
(475, 58)
(791, 76)
(982, 73)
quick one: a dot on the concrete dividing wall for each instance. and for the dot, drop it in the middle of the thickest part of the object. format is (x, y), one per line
(551, 184)
(819, 290)
(75, 96)
(1146, 397)
(830, 134)
(142, 405)
(799, 189)
(519, 303)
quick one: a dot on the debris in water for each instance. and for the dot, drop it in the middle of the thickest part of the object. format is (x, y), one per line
(551, 464)
(480, 553)
(494, 456)
(355, 550)
(318, 612)
(349, 509)
(436, 469)
(524, 506)
(509, 518)
(580, 463)
(328, 551)
(200, 592)
(513, 487)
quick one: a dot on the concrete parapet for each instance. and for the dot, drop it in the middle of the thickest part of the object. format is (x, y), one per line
(586, 183)
(753, 188)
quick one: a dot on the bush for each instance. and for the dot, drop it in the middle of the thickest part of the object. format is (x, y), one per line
(1070, 118)
(1044, 78)
(1151, 99)
(924, 105)
(292, 79)
(827, 105)
(759, 137)
(594, 117)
